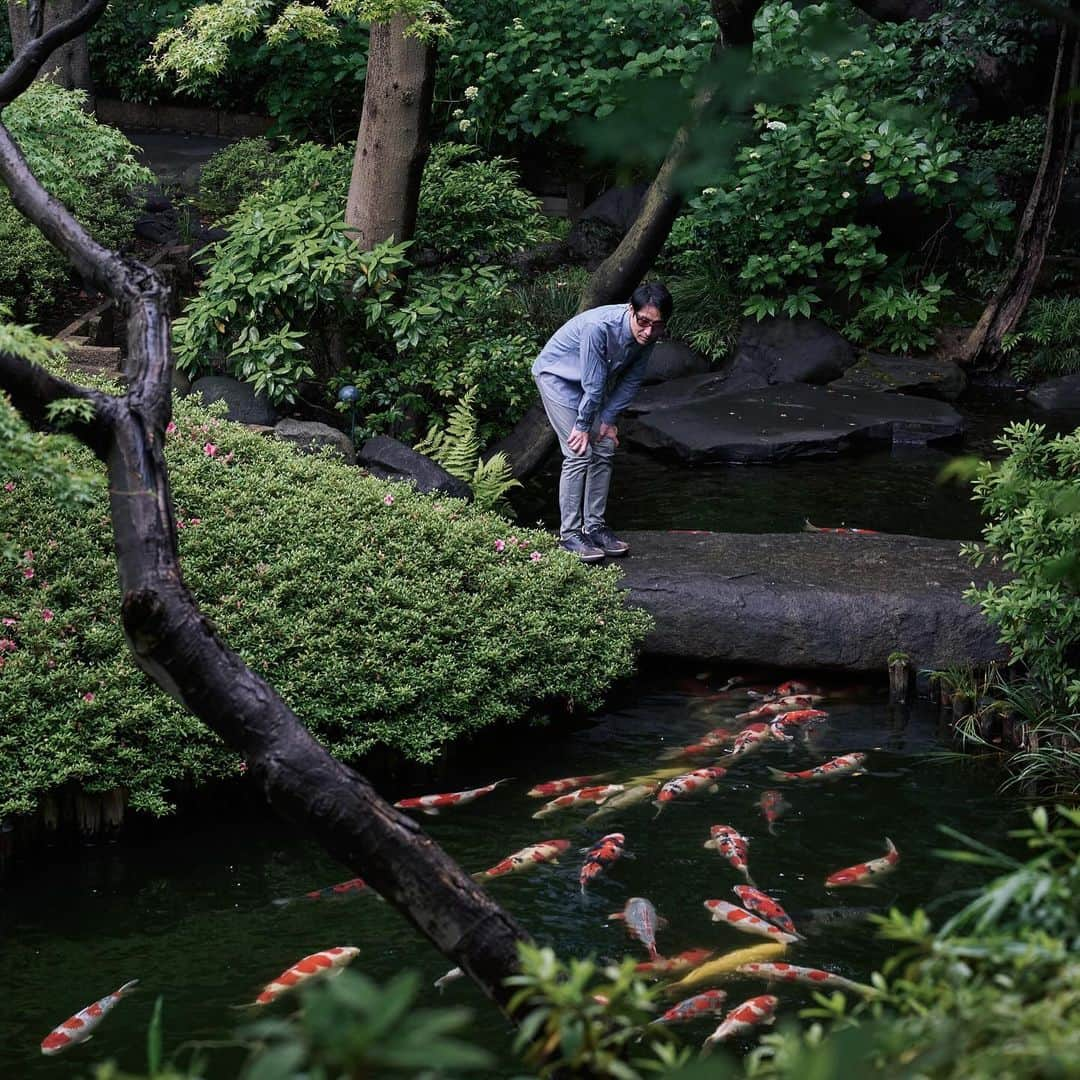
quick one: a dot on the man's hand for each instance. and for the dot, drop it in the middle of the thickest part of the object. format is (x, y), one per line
(609, 431)
(578, 441)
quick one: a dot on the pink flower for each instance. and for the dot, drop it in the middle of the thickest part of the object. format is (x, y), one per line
(536, 556)
(500, 545)
(170, 428)
(11, 622)
(28, 555)
(195, 521)
(209, 449)
(513, 541)
(242, 767)
(388, 499)
(179, 523)
(10, 485)
(47, 614)
(28, 573)
(88, 697)
(7, 645)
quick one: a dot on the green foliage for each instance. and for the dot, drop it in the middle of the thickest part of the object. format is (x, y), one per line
(457, 449)
(1010, 150)
(708, 310)
(379, 614)
(235, 172)
(897, 317)
(1033, 531)
(1047, 342)
(89, 167)
(517, 70)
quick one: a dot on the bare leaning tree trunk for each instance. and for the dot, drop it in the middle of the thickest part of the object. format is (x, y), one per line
(1007, 305)
(69, 65)
(169, 637)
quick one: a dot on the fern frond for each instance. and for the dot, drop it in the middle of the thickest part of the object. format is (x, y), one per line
(491, 480)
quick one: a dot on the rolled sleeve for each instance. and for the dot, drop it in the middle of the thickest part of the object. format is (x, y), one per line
(628, 386)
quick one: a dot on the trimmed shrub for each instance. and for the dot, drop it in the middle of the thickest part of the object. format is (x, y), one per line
(234, 173)
(384, 617)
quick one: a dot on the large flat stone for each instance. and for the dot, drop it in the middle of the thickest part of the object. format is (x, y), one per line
(787, 421)
(809, 600)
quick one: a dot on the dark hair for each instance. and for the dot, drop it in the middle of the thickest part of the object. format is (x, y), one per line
(653, 293)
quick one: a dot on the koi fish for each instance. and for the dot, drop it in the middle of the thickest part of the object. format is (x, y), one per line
(320, 963)
(730, 844)
(443, 981)
(744, 1017)
(847, 765)
(525, 859)
(777, 972)
(625, 799)
(750, 739)
(764, 905)
(698, 780)
(707, 743)
(712, 971)
(600, 856)
(800, 717)
(711, 1001)
(847, 531)
(558, 787)
(781, 705)
(642, 922)
(861, 873)
(779, 733)
(80, 1027)
(674, 965)
(773, 807)
(432, 804)
(342, 888)
(742, 920)
(597, 794)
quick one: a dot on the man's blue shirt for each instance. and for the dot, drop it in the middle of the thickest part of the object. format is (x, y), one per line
(594, 364)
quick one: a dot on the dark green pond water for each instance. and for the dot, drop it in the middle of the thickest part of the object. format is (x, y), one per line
(190, 913)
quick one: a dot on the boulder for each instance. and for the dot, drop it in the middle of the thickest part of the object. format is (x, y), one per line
(604, 222)
(1061, 394)
(673, 360)
(784, 350)
(309, 436)
(783, 422)
(923, 376)
(683, 391)
(245, 406)
(389, 459)
(809, 600)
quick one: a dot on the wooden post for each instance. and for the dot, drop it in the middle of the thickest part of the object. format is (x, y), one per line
(901, 679)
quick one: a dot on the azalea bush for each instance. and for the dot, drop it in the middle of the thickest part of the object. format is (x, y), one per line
(385, 618)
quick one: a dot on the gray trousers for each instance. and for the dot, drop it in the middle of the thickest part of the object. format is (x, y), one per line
(585, 478)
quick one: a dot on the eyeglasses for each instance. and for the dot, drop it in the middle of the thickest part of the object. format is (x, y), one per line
(649, 324)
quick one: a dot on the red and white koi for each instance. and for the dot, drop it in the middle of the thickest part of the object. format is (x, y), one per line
(750, 739)
(711, 1001)
(708, 742)
(320, 963)
(764, 905)
(433, 804)
(525, 859)
(779, 972)
(744, 1018)
(600, 856)
(689, 783)
(773, 807)
(674, 965)
(80, 1027)
(799, 718)
(789, 688)
(641, 922)
(846, 765)
(742, 920)
(731, 845)
(560, 787)
(598, 794)
(342, 888)
(863, 874)
(781, 706)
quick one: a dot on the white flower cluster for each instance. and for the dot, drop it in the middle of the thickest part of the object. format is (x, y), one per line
(776, 125)
(464, 125)
(471, 92)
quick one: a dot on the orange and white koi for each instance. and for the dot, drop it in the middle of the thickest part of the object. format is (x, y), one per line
(780, 972)
(432, 804)
(342, 888)
(742, 920)
(764, 905)
(598, 794)
(689, 783)
(750, 739)
(625, 799)
(80, 1027)
(861, 874)
(560, 787)
(779, 733)
(773, 806)
(641, 922)
(745, 1017)
(320, 963)
(780, 706)
(847, 765)
(673, 965)
(800, 718)
(525, 859)
(788, 688)
(711, 1001)
(706, 744)
(600, 856)
(730, 844)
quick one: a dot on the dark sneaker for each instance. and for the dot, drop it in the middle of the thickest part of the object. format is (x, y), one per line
(604, 539)
(576, 545)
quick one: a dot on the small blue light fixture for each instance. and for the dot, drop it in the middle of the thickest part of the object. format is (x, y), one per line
(349, 395)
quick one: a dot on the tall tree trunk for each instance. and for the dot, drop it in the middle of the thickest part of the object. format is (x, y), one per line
(392, 143)
(68, 65)
(175, 644)
(1007, 305)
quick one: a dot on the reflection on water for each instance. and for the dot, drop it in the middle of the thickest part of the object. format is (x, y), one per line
(194, 918)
